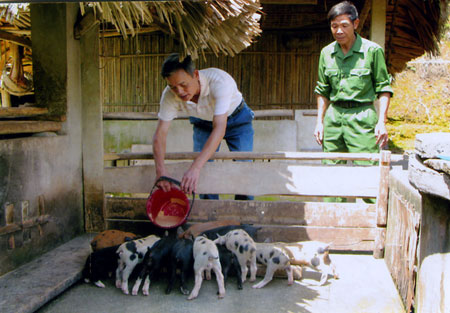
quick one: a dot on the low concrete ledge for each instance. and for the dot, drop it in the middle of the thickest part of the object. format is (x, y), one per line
(30, 286)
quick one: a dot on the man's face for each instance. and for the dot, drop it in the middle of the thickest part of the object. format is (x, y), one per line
(184, 85)
(343, 29)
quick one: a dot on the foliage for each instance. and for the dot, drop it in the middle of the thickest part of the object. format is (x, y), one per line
(421, 102)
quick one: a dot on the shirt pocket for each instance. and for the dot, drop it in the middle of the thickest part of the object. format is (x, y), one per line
(332, 76)
(360, 79)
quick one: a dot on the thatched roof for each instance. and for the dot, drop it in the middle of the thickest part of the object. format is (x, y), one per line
(413, 27)
(221, 26)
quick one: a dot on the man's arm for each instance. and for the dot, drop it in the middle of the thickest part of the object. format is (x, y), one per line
(159, 151)
(322, 105)
(190, 178)
(380, 129)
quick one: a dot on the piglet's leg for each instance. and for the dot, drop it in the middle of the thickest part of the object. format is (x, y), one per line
(270, 270)
(146, 286)
(99, 284)
(219, 276)
(119, 273)
(136, 286)
(253, 267)
(290, 274)
(198, 284)
(243, 265)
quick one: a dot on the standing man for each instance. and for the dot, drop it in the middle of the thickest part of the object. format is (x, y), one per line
(352, 75)
(217, 111)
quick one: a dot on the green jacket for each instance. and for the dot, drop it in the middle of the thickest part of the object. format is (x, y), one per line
(358, 76)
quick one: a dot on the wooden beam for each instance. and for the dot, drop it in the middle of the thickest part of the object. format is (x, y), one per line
(34, 221)
(19, 127)
(378, 23)
(383, 190)
(154, 115)
(15, 39)
(363, 15)
(22, 112)
(340, 238)
(255, 178)
(143, 30)
(305, 156)
(259, 212)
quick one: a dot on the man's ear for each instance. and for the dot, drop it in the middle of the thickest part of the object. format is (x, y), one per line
(355, 24)
(196, 76)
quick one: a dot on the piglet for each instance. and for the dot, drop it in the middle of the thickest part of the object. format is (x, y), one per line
(274, 258)
(130, 254)
(154, 260)
(99, 265)
(206, 257)
(312, 254)
(243, 246)
(181, 256)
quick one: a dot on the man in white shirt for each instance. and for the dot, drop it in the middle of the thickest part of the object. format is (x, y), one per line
(217, 111)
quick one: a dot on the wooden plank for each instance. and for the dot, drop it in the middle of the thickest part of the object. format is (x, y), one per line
(383, 190)
(19, 127)
(347, 239)
(306, 156)
(154, 115)
(255, 178)
(402, 239)
(22, 112)
(25, 42)
(340, 238)
(259, 212)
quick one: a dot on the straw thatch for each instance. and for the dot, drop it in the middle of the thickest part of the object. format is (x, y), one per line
(413, 27)
(221, 26)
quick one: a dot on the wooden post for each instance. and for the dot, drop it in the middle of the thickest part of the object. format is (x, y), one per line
(383, 190)
(382, 203)
(378, 22)
(92, 131)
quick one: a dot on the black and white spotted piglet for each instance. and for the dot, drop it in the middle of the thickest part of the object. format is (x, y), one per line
(130, 254)
(312, 254)
(274, 258)
(99, 265)
(243, 246)
(206, 257)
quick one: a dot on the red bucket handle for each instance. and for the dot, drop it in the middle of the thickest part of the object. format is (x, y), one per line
(176, 182)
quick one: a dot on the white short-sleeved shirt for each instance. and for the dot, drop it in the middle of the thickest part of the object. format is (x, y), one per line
(218, 95)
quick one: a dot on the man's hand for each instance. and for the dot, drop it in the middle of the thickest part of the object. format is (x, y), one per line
(318, 133)
(381, 134)
(164, 185)
(190, 180)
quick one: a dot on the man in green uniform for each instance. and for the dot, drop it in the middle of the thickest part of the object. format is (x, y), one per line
(352, 75)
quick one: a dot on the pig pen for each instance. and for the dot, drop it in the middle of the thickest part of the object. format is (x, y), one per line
(355, 230)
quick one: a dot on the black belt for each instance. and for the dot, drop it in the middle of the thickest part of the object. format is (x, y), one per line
(350, 104)
(238, 109)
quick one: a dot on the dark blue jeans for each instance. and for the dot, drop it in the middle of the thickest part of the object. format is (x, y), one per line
(238, 136)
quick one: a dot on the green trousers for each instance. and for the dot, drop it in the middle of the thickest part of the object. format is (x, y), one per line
(350, 130)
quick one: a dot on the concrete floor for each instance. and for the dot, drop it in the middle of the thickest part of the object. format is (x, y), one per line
(365, 286)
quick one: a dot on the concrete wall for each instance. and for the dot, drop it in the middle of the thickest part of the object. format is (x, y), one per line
(41, 202)
(285, 135)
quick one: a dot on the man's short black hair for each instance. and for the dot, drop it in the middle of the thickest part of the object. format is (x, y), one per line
(172, 64)
(345, 7)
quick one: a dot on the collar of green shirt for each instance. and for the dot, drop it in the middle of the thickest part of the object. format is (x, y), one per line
(357, 47)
